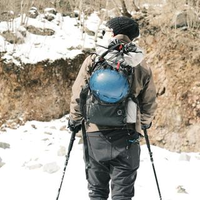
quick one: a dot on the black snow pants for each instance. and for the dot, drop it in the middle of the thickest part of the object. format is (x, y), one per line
(114, 157)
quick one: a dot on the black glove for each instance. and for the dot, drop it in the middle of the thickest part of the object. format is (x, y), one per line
(74, 126)
(146, 126)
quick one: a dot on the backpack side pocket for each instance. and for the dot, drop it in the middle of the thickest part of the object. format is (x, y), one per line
(131, 112)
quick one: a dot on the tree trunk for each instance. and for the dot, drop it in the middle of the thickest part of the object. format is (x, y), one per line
(124, 9)
(101, 20)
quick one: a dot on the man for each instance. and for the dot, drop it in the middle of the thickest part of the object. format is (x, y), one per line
(114, 152)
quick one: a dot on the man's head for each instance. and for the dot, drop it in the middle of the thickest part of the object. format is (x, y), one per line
(125, 26)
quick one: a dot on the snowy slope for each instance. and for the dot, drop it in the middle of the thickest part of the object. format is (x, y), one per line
(67, 41)
(35, 160)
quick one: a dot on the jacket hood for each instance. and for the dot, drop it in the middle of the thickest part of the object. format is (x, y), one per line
(131, 58)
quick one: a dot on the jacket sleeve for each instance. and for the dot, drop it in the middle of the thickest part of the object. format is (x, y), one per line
(79, 83)
(147, 98)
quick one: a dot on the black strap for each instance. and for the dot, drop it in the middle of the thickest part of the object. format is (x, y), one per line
(101, 57)
(109, 50)
(86, 154)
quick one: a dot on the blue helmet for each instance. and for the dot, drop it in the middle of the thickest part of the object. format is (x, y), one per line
(109, 85)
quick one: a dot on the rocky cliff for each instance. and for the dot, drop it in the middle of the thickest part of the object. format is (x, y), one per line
(36, 92)
(174, 56)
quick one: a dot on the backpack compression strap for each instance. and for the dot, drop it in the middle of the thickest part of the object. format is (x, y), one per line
(117, 46)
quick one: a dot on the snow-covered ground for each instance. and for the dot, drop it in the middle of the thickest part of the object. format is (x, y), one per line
(35, 160)
(67, 41)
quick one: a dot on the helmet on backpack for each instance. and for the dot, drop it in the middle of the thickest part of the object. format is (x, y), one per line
(108, 85)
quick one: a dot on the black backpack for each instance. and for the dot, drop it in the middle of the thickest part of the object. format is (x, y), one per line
(109, 108)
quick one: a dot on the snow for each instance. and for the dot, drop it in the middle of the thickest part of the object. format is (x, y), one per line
(67, 41)
(35, 160)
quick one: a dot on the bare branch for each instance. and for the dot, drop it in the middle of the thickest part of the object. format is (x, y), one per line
(117, 7)
(124, 9)
(134, 6)
(101, 20)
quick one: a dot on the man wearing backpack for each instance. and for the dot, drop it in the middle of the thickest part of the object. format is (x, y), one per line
(112, 150)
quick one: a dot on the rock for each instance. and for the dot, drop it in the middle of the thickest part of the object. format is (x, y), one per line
(34, 126)
(50, 10)
(49, 17)
(61, 151)
(4, 145)
(13, 37)
(45, 139)
(22, 31)
(40, 31)
(186, 18)
(184, 157)
(7, 16)
(34, 166)
(89, 32)
(51, 167)
(33, 12)
(1, 163)
(48, 133)
(53, 127)
(197, 157)
(181, 20)
(49, 14)
(63, 128)
(181, 189)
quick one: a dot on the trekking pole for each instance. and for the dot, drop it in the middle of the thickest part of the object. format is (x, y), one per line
(152, 161)
(66, 161)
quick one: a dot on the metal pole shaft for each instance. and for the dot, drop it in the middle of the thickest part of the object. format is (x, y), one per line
(66, 161)
(152, 161)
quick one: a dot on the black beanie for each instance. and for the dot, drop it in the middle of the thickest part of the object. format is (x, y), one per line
(125, 26)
